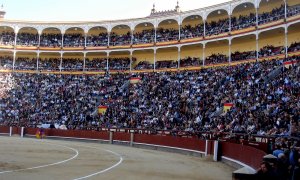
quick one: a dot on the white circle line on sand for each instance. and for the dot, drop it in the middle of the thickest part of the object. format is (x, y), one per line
(104, 170)
(47, 165)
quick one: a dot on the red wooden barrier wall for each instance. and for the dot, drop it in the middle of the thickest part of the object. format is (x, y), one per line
(4, 129)
(121, 136)
(71, 133)
(180, 142)
(246, 154)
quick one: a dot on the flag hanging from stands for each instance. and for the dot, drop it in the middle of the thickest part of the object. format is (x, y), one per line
(102, 109)
(135, 80)
(288, 64)
(227, 107)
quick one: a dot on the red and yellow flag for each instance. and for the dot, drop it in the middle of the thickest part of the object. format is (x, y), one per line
(227, 107)
(288, 64)
(102, 109)
(135, 80)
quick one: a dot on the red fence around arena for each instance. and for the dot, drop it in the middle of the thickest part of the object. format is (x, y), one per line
(4, 129)
(121, 136)
(173, 141)
(104, 135)
(245, 154)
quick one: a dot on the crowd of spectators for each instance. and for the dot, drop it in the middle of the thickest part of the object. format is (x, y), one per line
(96, 41)
(74, 40)
(271, 50)
(7, 38)
(51, 40)
(294, 47)
(123, 63)
(166, 64)
(190, 62)
(49, 64)
(6, 62)
(188, 31)
(243, 21)
(25, 63)
(283, 163)
(144, 37)
(246, 55)
(216, 59)
(185, 101)
(292, 58)
(293, 10)
(144, 65)
(28, 39)
(217, 27)
(120, 39)
(95, 64)
(120, 63)
(37, 98)
(72, 64)
(163, 35)
(274, 15)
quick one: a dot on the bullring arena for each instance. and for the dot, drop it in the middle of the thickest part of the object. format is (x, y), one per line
(56, 159)
(209, 93)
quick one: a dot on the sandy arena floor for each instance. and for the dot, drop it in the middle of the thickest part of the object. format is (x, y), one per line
(34, 159)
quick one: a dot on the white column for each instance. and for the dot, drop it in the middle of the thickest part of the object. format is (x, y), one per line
(285, 9)
(179, 32)
(229, 16)
(111, 134)
(155, 35)
(107, 56)
(204, 30)
(62, 40)
(256, 14)
(10, 131)
(257, 38)
(39, 43)
(61, 57)
(131, 138)
(206, 147)
(130, 61)
(131, 41)
(179, 56)
(286, 41)
(22, 132)
(85, 37)
(14, 59)
(154, 60)
(37, 60)
(216, 143)
(229, 53)
(108, 38)
(84, 57)
(15, 43)
(203, 55)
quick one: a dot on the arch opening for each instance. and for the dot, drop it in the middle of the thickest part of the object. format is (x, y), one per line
(168, 30)
(74, 37)
(51, 38)
(120, 36)
(97, 37)
(27, 37)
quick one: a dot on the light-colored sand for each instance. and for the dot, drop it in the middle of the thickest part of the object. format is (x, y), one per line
(73, 159)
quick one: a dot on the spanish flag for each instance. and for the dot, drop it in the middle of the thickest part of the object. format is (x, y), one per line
(288, 64)
(102, 109)
(135, 80)
(227, 107)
